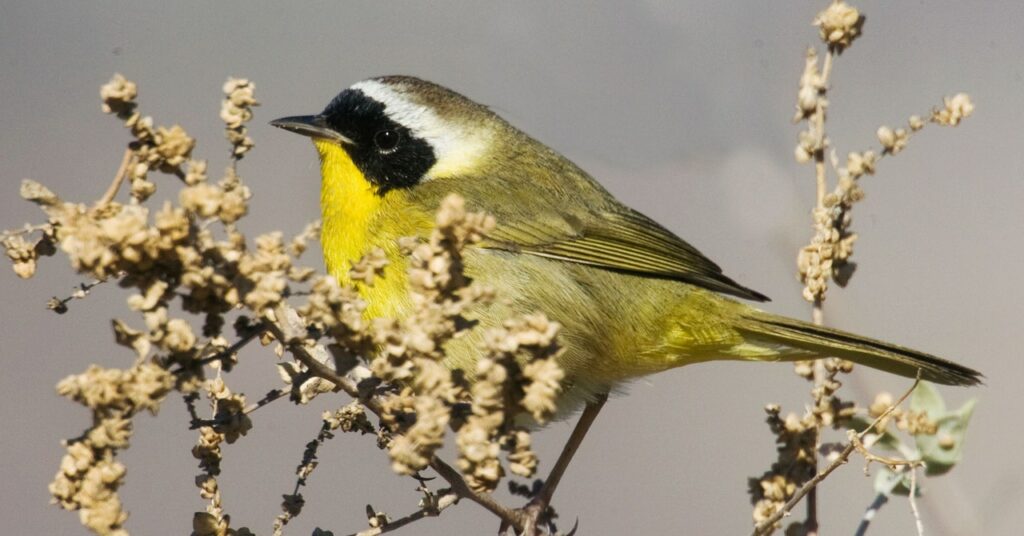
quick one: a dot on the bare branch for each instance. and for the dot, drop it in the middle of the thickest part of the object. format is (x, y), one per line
(122, 172)
(431, 510)
(516, 518)
(60, 305)
(233, 349)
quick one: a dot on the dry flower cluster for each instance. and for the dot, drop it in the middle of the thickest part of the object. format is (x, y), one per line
(231, 424)
(191, 256)
(910, 421)
(797, 441)
(504, 388)
(236, 111)
(411, 349)
(89, 474)
(827, 257)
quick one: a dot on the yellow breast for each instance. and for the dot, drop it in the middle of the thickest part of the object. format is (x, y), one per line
(348, 204)
(356, 219)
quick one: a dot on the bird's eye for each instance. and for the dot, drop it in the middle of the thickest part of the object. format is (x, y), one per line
(386, 140)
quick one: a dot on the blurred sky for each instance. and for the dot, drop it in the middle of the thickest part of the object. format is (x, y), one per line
(680, 108)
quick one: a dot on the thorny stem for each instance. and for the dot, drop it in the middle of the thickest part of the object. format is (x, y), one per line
(446, 500)
(122, 172)
(768, 525)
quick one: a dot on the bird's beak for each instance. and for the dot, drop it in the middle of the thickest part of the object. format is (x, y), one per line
(314, 126)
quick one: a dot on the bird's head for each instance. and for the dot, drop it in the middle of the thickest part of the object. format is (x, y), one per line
(400, 130)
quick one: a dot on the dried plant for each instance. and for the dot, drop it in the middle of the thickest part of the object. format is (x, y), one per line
(192, 270)
(827, 258)
(192, 256)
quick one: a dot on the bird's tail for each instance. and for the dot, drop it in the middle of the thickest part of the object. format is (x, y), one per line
(760, 327)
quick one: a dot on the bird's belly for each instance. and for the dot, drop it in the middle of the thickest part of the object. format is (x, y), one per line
(613, 324)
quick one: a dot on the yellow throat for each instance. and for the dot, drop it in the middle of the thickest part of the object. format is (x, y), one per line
(348, 203)
(356, 220)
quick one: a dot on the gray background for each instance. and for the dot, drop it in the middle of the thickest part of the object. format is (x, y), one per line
(681, 108)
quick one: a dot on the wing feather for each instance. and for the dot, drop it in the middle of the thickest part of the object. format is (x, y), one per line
(618, 240)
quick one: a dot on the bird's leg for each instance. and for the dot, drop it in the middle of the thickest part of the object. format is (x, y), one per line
(537, 506)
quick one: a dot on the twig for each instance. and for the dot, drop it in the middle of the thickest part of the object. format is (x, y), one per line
(869, 514)
(234, 348)
(122, 172)
(267, 399)
(432, 510)
(872, 457)
(768, 525)
(27, 229)
(190, 405)
(515, 518)
(292, 505)
(227, 352)
(913, 501)
(322, 370)
(60, 305)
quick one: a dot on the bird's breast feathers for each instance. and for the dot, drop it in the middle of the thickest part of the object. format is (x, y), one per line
(358, 218)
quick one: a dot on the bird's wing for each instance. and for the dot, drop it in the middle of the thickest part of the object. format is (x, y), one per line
(622, 240)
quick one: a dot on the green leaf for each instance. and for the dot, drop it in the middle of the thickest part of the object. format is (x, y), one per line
(944, 450)
(926, 398)
(889, 482)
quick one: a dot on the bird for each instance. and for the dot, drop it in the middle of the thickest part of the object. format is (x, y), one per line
(632, 298)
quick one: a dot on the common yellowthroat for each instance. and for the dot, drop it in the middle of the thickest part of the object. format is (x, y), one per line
(632, 297)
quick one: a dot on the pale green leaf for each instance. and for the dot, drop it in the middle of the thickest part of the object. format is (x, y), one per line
(926, 398)
(945, 449)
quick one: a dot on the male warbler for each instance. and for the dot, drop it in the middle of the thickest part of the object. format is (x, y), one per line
(632, 297)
